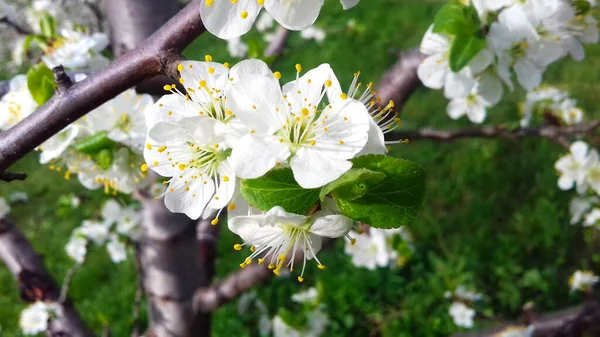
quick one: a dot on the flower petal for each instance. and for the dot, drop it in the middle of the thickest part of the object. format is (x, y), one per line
(314, 168)
(295, 15)
(331, 226)
(254, 156)
(227, 19)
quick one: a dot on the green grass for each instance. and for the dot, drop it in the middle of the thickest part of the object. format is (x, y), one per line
(493, 218)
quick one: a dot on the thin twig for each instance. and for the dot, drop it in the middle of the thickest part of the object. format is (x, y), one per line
(552, 132)
(64, 290)
(15, 26)
(277, 45)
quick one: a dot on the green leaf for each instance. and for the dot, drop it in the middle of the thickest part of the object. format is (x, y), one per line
(389, 203)
(95, 143)
(48, 26)
(582, 7)
(454, 18)
(351, 184)
(464, 48)
(279, 188)
(40, 81)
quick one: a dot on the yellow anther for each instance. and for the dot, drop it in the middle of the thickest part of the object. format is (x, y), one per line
(203, 83)
(209, 3)
(328, 83)
(320, 266)
(181, 80)
(261, 2)
(211, 70)
(248, 261)
(225, 178)
(300, 279)
(226, 64)
(215, 221)
(242, 265)
(244, 14)
(253, 249)
(237, 247)
(305, 112)
(260, 261)
(155, 163)
(208, 58)
(359, 230)
(312, 142)
(144, 168)
(231, 207)
(167, 87)
(271, 266)
(162, 149)
(343, 96)
(353, 241)
(67, 175)
(277, 75)
(149, 146)
(298, 67)
(182, 167)
(341, 142)
(180, 67)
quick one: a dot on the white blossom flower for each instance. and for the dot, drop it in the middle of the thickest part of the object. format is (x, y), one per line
(34, 319)
(484, 7)
(371, 250)
(486, 93)
(126, 219)
(313, 33)
(4, 208)
(116, 250)
(77, 50)
(58, 144)
(579, 206)
(95, 231)
(309, 296)
(17, 103)
(291, 126)
(583, 280)
(236, 47)
(570, 113)
(157, 190)
(517, 44)
(540, 100)
(279, 236)
(281, 329)
(592, 217)
(264, 22)
(463, 293)
(75, 202)
(227, 19)
(76, 248)
(574, 167)
(462, 315)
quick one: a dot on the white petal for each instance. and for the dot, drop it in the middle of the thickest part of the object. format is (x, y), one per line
(434, 43)
(56, 145)
(170, 108)
(481, 61)
(376, 141)
(227, 20)
(565, 183)
(458, 85)
(457, 108)
(193, 201)
(476, 113)
(225, 189)
(579, 150)
(433, 70)
(255, 100)
(295, 15)
(529, 75)
(308, 88)
(253, 230)
(331, 226)
(250, 67)
(490, 89)
(347, 4)
(313, 168)
(254, 156)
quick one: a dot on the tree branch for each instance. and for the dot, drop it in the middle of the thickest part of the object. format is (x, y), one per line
(35, 282)
(546, 131)
(10, 176)
(401, 80)
(19, 29)
(158, 54)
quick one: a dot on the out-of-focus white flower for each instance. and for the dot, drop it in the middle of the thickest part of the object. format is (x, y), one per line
(370, 250)
(579, 206)
(58, 144)
(77, 50)
(570, 113)
(592, 217)
(463, 293)
(281, 329)
(583, 280)
(486, 93)
(264, 22)
(462, 315)
(126, 219)
(95, 231)
(157, 190)
(17, 103)
(75, 202)
(76, 248)
(237, 47)
(34, 319)
(308, 296)
(4, 208)
(541, 100)
(116, 250)
(313, 33)
(18, 197)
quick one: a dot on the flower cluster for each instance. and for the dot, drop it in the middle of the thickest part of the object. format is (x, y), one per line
(461, 309)
(17, 103)
(117, 223)
(229, 19)
(551, 104)
(34, 319)
(583, 280)
(377, 248)
(76, 49)
(239, 122)
(504, 38)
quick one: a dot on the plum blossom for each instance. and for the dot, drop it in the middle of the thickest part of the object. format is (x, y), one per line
(583, 280)
(579, 206)
(34, 319)
(373, 249)
(17, 103)
(289, 125)
(236, 47)
(574, 167)
(228, 19)
(126, 219)
(116, 250)
(462, 315)
(275, 235)
(76, 248)
(486, 93)
(313, 33)
(77, 50)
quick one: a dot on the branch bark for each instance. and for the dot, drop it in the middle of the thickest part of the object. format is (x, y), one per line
(401, 80)
(158, 54)
(10, 176)
(168, 254)
(546, 131)
(35, 282)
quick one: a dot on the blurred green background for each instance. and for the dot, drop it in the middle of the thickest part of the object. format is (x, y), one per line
(493, 218)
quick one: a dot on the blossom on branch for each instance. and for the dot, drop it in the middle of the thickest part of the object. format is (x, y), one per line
(35, 318)
(227, 19)
(17, 103)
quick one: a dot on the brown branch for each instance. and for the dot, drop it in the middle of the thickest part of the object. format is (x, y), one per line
(158, 54)
(62, 79)
(18, 28)
(552, 132)
(277, 45)
(10, 176)
(401, 80)
(35, 282)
